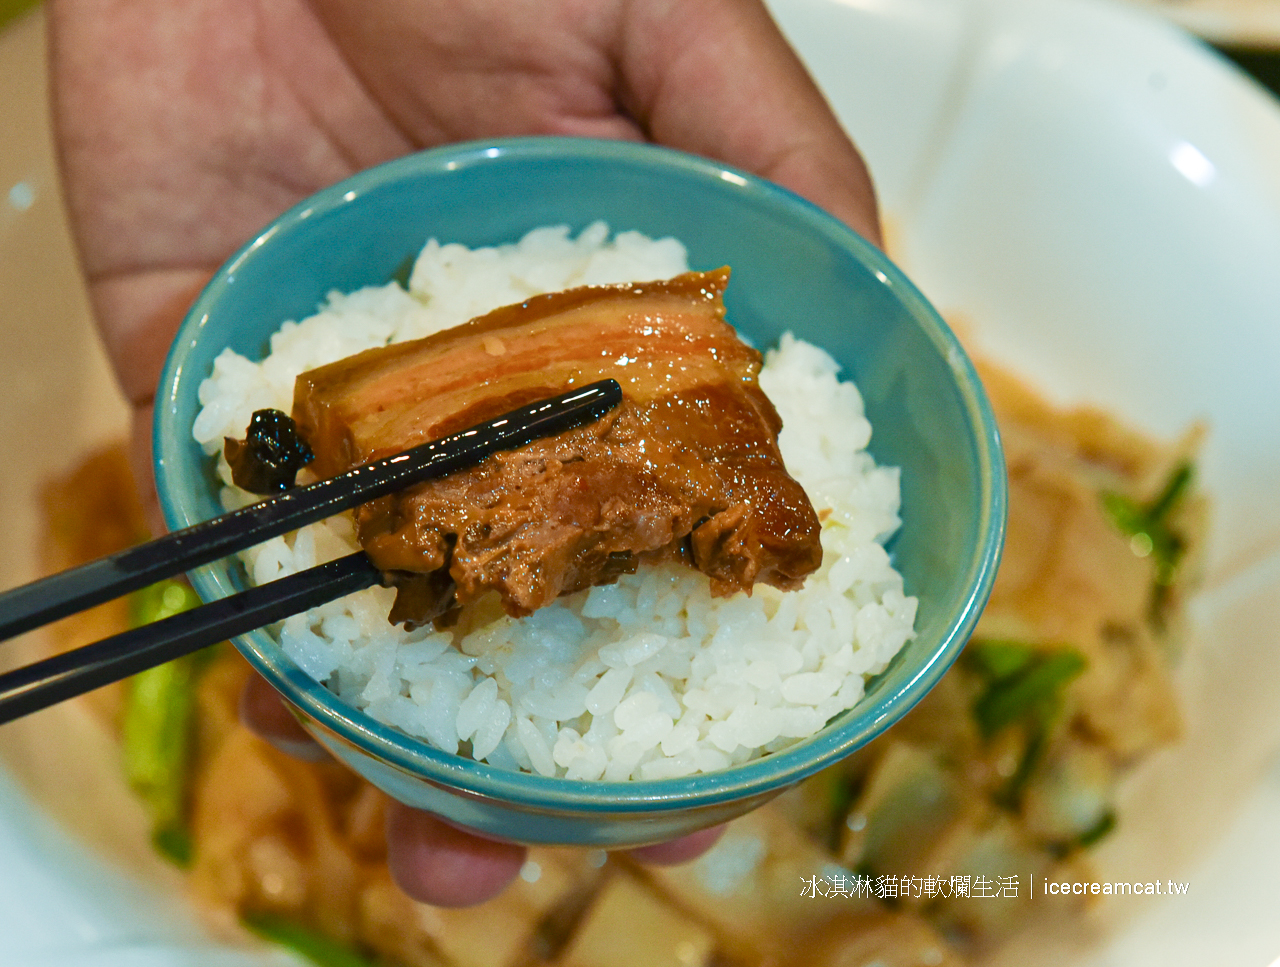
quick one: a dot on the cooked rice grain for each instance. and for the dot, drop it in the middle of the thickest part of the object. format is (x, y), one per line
(650, 677)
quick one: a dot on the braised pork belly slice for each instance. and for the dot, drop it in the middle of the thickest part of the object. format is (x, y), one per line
(687, 466)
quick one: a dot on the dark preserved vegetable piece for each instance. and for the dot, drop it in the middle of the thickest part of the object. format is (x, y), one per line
(267, 461)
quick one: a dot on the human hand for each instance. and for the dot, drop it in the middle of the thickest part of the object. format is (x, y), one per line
(183, 127)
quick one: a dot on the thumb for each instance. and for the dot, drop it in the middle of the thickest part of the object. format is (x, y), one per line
(718, 79)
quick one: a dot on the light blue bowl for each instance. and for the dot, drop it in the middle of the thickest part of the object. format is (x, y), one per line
(794, 268)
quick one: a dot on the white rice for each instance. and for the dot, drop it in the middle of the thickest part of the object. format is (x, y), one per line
(647, 678)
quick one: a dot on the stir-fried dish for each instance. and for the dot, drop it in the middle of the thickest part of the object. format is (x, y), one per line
(920, 849)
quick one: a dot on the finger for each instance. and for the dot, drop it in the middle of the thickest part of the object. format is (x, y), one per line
(717, 78)
(438, 864)
(138, 315)
(680, 850)
(264, 713)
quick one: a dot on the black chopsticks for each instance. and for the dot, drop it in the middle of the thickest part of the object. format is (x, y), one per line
(55, 679)
(44, 683)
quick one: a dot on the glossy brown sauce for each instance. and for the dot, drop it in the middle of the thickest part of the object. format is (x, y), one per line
(688, 465)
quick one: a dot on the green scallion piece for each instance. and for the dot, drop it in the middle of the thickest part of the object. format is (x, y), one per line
(157, 725)
(1009, 795)
(1105, 824)
(1147, 524)
(305, 942)
(1034, 688)
(998, 658)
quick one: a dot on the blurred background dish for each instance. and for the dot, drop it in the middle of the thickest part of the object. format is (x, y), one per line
(1093, 191)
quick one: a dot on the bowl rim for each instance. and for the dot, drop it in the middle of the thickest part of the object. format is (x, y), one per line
(849, 731)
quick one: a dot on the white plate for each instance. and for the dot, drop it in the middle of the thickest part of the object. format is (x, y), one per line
(1098, 195)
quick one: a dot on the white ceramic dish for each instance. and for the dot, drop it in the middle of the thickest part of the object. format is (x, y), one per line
(1094, 191)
